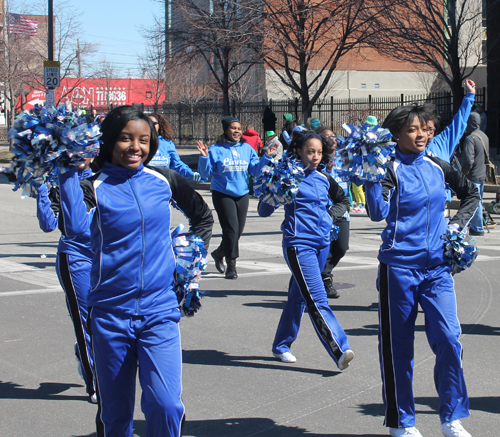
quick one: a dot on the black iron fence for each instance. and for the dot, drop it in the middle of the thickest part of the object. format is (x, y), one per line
(202, 120)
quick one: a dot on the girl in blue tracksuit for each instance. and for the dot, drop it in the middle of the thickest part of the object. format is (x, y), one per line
(306, 244)
(73, 264)
(229, 161)
(133, 307)
(340, 246)
(413, 270)
(167, 155)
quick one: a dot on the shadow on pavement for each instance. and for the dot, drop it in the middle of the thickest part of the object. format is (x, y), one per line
(218, 358)
(47, 391)
(479, 329)
(239, 427)
(139, 430)
(264, 293)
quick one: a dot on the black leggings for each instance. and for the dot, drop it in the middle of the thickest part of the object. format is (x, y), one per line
(232, 213)
(338, 248)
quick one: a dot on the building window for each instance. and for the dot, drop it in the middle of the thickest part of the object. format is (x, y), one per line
(376, 86)
(363, 86)
(149, 94)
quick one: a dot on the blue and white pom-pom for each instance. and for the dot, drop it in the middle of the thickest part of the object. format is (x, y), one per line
(364, 154)
(459, 248)
(279, 181)
(334, 232)
(190, 261)
(46, 141)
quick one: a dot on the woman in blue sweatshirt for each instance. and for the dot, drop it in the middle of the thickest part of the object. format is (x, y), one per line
(414, 270)
(133, 306)
(74, 260)
(229, 161)
(306, 244)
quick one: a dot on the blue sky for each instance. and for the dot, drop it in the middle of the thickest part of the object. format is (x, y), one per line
(115, 25)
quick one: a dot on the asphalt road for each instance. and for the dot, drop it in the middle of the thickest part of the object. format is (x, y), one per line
(232, 385)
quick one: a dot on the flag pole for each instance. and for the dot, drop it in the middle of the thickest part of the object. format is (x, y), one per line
(50, 38)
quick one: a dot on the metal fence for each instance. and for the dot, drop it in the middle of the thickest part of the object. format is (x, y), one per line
(202, 121)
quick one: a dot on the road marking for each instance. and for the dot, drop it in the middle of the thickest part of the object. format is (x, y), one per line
(29, 292)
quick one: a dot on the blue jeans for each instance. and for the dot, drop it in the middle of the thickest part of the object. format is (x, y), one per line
(476, 223)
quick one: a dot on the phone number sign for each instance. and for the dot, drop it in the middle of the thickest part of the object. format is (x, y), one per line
(51, 74)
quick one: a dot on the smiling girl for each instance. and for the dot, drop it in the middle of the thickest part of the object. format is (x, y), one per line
(133, 307)
(229, 161)
(413, 270)
(306, 244)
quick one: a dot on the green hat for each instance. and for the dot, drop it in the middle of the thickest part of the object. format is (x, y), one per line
(371, 120)
(288, 117)
(315, 123)
(270, 133)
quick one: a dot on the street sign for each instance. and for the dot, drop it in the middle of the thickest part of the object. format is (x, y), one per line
(49, 98)
(51, 74)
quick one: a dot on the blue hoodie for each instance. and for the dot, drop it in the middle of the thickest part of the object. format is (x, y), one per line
(229, 166)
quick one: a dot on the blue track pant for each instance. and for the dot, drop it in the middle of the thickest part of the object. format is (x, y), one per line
(123, 343)
(307, 288)
(400, 292)
(74, 275)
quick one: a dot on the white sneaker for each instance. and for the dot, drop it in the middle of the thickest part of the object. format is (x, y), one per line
(454, 429)
(345, 359)
(93, 398)
(286, 357)
(405, 432)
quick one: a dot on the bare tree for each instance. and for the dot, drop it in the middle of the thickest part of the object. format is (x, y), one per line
(227, 34)
(22, 66)
(306, 39)
(154, 69)
(443, 35)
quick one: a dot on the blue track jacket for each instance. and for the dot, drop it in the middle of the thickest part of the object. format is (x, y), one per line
(167, 156)
(308, 219)
(411, 199)
(133, 262)
(48, 213)
(229, 167)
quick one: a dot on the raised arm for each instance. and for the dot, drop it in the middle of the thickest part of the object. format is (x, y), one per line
(443, 145)
(204, 163)
(177, 164)
(378, 196)
(46, 210)
(77, 200)
(255, 165)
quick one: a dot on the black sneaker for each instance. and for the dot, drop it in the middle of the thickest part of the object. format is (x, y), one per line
(219, 262)
(330, 289)
(476, 233)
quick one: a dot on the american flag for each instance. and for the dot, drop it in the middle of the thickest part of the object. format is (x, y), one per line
(20, 25)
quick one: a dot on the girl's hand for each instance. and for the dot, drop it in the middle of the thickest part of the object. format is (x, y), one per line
(271, 150)
(470, 86)
(203, 148)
